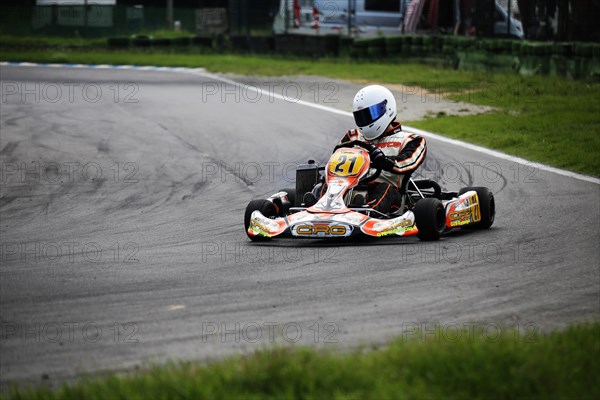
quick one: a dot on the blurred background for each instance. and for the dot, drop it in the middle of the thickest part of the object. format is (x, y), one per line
(551, 37)
(529, 19)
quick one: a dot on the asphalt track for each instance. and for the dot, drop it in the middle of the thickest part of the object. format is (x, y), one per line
(123, 244)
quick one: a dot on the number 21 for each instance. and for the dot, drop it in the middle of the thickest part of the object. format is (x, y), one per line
(340, 167)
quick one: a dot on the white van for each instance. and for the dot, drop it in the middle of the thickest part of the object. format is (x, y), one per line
(370, 15)
(369, 18)
(501, 27)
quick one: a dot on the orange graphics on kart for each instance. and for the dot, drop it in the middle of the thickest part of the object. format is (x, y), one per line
(426, 211)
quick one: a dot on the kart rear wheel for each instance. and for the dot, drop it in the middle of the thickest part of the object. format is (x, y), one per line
(430, 217)
(266, 208)
(487, 207)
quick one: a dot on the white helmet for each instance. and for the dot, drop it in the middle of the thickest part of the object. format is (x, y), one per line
(374, 108)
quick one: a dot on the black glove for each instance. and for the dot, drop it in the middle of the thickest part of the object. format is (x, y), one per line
(378, 159)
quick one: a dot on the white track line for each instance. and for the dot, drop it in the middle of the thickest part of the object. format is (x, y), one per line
(410, 129)
(202, 72)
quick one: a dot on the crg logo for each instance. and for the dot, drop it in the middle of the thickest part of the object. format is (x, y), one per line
(310, 230)
(460, 215)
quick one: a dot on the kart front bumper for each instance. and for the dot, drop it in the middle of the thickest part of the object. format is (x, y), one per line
(308, 225)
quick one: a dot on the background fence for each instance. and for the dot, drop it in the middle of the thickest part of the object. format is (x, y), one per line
(247, 26)
(541, 19)
(243, 17)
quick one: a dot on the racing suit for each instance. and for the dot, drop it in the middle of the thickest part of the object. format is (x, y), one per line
(404, 152)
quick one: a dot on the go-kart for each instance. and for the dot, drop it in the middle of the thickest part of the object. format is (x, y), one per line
(426, 210)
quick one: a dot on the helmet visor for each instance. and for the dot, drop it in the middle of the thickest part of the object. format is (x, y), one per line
(368, 115)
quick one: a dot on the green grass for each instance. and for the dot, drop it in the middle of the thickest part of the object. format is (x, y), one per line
(166, 33)
(548, 120)
(560, 365)
(77, 41)
(50, 41)
(258, 65)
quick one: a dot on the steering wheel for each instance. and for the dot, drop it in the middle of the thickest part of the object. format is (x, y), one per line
(368, 147)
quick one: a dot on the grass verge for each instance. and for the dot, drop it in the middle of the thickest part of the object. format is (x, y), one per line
(549, 120)
(471, 365)
(77, 41)
(49, 41)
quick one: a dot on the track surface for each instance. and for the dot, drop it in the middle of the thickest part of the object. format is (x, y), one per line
(73, 298)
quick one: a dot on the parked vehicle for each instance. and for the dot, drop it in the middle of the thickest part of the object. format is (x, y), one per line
(365, 16)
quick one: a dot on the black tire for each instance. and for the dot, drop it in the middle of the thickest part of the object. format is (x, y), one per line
(487, 206)
(266, 208)
(291, 194)
(430, 217)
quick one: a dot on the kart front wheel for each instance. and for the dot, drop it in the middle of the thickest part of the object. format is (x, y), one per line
(430, 218)
(266, 208)
(487, 207)
(291, 194)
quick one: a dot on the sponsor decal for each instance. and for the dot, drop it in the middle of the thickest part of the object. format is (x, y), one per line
(459, 223)
(346, 163)
(262, 226)
(469, 215)
(259, 229)
(398, 228)
(321, 230)
(389, 144)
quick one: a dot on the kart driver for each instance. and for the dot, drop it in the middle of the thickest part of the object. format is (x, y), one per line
(397, 153)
